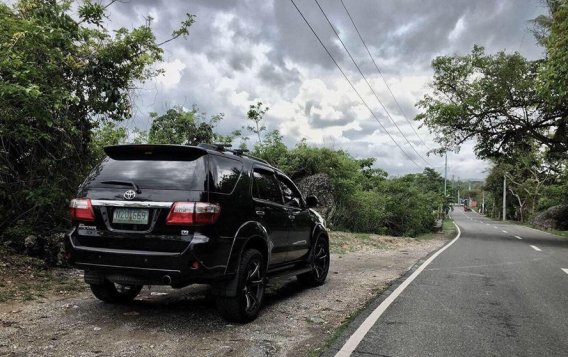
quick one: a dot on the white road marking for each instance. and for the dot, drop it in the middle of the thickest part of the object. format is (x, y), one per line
(518, 237)
(495, 227)
(504, 231)
(536, 248)
(356, 338)
(565, 270)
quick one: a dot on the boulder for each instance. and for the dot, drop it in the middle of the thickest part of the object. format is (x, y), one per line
(319, 185)
(555, 217)
(49, 248)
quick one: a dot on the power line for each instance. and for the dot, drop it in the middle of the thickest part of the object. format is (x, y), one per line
(383, 78)
(352, 86)
(369, 84)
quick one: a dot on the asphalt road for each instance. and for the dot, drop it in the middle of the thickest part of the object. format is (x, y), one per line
(499, 290)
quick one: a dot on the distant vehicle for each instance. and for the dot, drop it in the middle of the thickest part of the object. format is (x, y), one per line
(177, 215)
(466, 206)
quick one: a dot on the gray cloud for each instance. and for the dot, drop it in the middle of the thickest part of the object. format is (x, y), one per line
(403, 36)
(279, 76)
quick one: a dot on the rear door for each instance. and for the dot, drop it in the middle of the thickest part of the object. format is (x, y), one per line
(270, 211)
(300, 228)
(132, 192)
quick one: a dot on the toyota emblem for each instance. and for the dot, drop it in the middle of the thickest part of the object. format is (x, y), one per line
(129, 195)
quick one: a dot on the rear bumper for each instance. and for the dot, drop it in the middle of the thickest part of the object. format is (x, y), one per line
(194, 265)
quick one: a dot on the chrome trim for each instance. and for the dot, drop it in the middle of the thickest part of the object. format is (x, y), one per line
(300, 242)
(127, 267)
(127, 251)
(142, 204)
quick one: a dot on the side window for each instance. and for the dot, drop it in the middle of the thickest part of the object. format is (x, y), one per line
(225, 173)
(289, 192)
(265, 187)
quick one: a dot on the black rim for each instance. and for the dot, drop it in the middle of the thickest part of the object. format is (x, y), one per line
(321, 260)
(253, 285)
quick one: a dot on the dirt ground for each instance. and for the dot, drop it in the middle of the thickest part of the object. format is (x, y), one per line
(164, 322)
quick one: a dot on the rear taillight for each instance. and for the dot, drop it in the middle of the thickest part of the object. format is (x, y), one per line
(81, 209)
(181, 213)
(206, 213)
(188, 213)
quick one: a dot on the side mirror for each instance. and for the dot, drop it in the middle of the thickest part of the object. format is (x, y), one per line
(312, 201)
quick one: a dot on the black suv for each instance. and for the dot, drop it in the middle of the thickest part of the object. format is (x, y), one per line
(177, 215)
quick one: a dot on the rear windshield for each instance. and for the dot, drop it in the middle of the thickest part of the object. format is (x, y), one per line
(151, 174)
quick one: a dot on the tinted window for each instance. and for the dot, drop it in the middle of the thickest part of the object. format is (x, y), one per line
(225, 173)
(265, 187)
(152, 174)
(289, 192)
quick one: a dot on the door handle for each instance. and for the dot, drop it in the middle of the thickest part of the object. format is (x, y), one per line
(260, 213)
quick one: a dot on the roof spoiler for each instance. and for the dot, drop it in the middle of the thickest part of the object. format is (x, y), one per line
(154, 152)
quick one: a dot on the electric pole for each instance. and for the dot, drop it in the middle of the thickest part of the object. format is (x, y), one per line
(505, 197)
(446, 176)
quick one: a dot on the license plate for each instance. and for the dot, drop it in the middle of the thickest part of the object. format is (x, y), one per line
(130, 216)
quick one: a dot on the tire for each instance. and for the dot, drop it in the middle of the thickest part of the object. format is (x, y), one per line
(115, 293)
(319, 262)
(245, 306)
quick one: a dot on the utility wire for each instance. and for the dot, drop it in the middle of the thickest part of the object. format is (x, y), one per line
(382, 76)
(369, 84)
(352, 86)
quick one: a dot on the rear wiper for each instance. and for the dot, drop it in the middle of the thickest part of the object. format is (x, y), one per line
(119, 182)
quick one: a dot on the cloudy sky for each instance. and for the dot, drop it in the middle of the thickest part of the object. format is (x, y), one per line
(240, 52)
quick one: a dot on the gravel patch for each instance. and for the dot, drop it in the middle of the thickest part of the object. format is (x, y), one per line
(295, 321)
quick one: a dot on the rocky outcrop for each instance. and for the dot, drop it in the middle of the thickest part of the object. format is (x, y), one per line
(319, 185)
(555, 217)
(50, 248)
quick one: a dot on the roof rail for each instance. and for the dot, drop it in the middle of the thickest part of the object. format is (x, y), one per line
(226, 148)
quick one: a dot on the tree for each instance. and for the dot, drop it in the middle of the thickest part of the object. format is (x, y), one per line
(178, 126)
(255, 115)
(60, 74)
(552, 82)
(543, 23)
(528, 173)
(106, 134)
(491, 98)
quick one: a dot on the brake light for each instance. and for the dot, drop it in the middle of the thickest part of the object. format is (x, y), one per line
(188, 213)
(181, 213)
(81, 209)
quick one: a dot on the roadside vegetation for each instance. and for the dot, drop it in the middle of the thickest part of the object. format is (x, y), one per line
(517, 110)
(26, 278)
(59, 109)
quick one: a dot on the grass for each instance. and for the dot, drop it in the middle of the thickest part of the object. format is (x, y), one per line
(448, 231)
(553, 231)
(24, 278)
(559, 233)
(345, 242)
(337, 332)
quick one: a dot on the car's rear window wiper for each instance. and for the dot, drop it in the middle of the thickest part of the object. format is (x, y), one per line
(121, 182)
